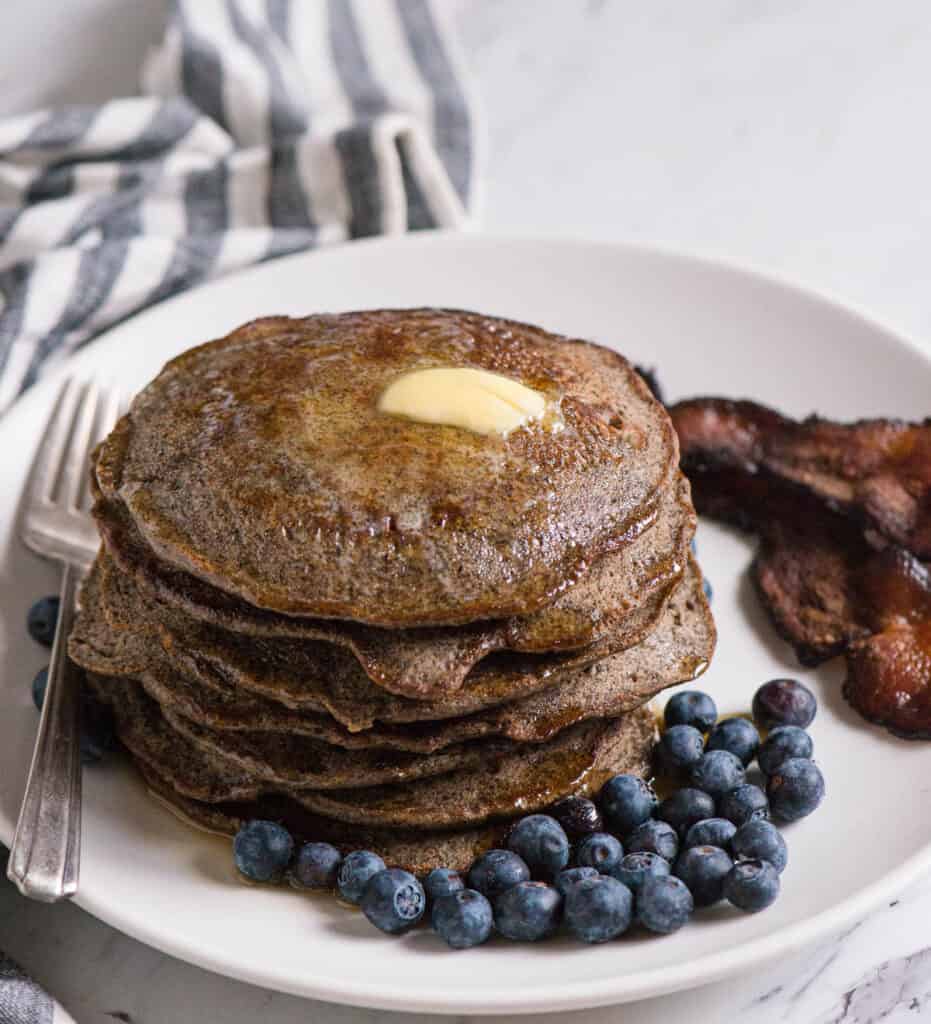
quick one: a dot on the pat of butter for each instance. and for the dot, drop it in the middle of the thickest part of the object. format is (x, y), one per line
(458, 396)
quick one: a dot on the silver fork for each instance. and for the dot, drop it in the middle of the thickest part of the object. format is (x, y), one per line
(56, 523)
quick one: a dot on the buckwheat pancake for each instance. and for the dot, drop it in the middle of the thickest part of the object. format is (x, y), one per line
(95, 645)
(676, 651)
(615, 602)
(304, 677)
(299, 761)
(530, 778)
(612, 599)
(282, 683)
(418, 852)
(261, 464)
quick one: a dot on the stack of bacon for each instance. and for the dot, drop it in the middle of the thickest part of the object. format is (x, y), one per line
(843, 517)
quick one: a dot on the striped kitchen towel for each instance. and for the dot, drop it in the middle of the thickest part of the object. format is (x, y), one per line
(22, 1001)
(264, 127)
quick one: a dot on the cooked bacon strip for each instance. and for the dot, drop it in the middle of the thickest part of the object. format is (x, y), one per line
(877, 471)
(806, 569)
(731, 495)
(807, 572)
(889, 673)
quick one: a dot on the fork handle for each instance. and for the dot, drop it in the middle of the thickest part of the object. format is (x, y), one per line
(46, 848)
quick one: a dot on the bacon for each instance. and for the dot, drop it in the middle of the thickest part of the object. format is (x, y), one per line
(806, 567)
(875, 471)
(807, 574)
(826, 502)
(889, 673)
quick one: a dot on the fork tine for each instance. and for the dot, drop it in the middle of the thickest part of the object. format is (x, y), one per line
(47, 460)
(74, 466)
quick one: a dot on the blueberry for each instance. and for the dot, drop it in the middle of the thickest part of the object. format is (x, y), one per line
(752, 885)
(627, 801)
(393, 900)
(760, 840)
(354, 874)
(717, 772)
(743, 804)
(262, 850)
(600, 851)
(635, 868)
(42, 620)
(598, 909)
(703, 869)
(707, 589)
(566, 879)
(711, 832)
(657, 837)
(736, 735)
(691, 707)
(98, 731)
(796, 789)
(442, 881)
(783, 742)
(578, 816)
(528, 911)
(39, 686)
(784, 702)
(684, 807)
(542, 844)
(680, 747)
(496, 871)
(664, 904)
(90, 751)
(316, 866)
(462, 918)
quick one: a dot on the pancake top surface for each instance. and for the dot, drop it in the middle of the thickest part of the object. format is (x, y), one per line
(260, 463)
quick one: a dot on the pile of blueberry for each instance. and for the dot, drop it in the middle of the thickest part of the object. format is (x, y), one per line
(598, 868)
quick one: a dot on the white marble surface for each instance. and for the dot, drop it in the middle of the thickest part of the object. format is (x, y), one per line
(788, 136)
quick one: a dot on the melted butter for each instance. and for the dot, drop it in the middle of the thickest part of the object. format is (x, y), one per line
(459, 396)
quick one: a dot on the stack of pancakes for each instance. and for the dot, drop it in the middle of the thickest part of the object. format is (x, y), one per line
(386, 633)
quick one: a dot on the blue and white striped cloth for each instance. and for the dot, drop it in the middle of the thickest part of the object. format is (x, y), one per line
(22, 1001)
(264, 127)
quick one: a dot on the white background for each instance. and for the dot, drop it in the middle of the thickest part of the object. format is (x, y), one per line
(787, 135)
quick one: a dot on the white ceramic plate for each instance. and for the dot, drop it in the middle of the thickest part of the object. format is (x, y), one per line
(707, 329)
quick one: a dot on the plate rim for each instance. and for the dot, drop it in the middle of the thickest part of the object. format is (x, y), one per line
(580, 995)
(566, 995)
